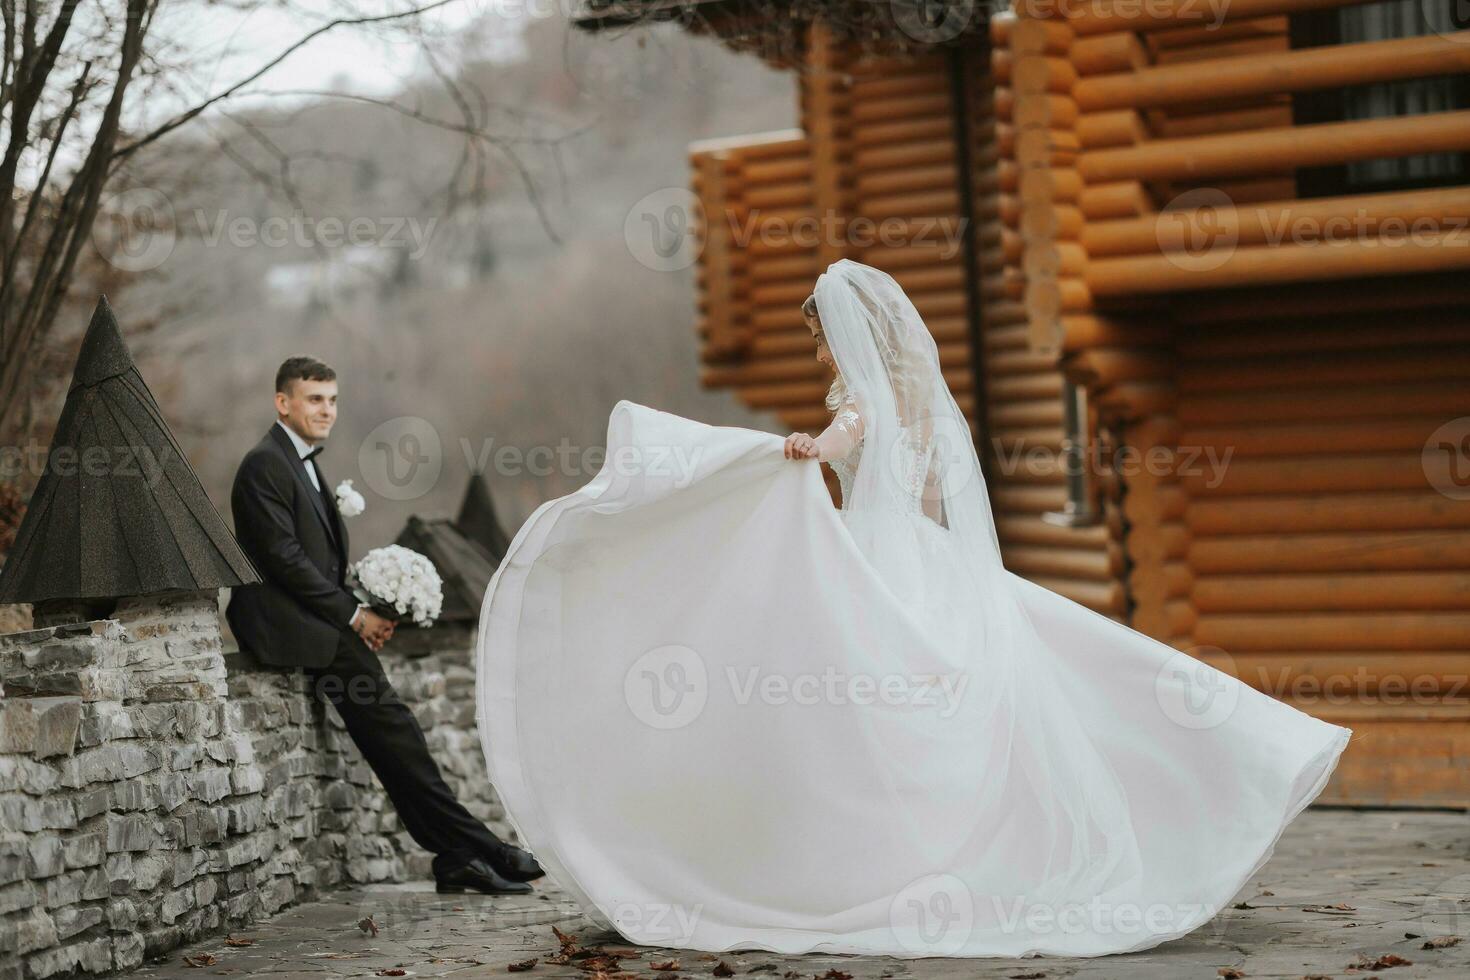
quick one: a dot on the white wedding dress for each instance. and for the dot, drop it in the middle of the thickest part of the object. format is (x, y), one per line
(724, 714)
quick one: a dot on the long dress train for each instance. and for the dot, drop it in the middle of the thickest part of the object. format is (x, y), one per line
(724, 714)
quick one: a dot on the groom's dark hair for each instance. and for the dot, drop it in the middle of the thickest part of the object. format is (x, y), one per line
(302, 368)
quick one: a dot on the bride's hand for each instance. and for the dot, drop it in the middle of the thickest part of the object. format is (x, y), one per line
(799, 445)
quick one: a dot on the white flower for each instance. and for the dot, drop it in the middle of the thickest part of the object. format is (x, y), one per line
(349, 501)
(396, 576)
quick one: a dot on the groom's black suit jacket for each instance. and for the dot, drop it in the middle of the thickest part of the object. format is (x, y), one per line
(296, 539)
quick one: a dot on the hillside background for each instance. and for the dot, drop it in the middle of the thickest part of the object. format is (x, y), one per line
(522, 323)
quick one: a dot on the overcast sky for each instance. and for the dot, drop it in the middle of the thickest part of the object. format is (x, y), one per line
(227, 44)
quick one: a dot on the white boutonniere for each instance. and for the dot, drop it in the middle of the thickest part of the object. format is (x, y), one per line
(349, 501)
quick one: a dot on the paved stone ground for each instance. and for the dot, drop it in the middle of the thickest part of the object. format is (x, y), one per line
(1405, 876)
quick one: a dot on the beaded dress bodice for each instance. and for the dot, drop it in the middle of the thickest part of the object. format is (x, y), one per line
(919, 466)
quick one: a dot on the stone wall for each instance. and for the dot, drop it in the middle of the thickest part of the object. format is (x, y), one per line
(155, 788)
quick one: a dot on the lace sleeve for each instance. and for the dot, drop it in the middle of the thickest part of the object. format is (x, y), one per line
(841, 437)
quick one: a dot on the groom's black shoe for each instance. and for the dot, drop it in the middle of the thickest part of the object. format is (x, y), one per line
(514, 863)
(480, 877)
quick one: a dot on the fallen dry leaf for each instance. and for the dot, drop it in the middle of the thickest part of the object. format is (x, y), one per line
(199, 961)
(722, 969)
(392, 971)
(368, 925)
(598, 964)
(522, 966)
(1441, 942)
(1338, 909)
(1229, 973)
(240, 941)
(1390, 960)
(667, 966)
(1385, 962)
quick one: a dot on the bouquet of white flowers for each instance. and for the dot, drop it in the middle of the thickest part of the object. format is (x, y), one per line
(396, 582)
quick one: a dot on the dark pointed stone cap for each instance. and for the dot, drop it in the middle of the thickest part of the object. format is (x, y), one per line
(464, 566)
(118, 510)
(103, 354)
(477, 518)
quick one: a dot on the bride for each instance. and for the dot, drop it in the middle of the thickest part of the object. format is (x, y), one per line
(725, 715)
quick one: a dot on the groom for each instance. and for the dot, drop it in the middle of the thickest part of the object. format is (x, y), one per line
(301, 615)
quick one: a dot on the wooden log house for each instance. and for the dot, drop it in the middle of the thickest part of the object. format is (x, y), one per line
(1220, 253)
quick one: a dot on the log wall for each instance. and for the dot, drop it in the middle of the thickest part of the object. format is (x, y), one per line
(1266, 409)
(1277, 398)
(876, 169)
(1321, 559)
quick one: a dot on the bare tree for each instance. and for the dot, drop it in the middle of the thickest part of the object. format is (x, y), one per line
(69, 67)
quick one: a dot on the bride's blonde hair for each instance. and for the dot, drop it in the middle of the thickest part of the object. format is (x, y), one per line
(837, 393)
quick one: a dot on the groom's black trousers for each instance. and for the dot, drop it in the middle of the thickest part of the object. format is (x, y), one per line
(390, 739)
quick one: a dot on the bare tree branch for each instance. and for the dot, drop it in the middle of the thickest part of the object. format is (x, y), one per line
(300, 43)
(35, 69)
(49, 203)
(38, 194)
(469, 147)
(418, 115)
(283, 159)
(498, 141)
(77, 212)
(7, 68)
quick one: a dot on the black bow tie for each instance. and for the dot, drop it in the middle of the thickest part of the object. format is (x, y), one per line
(313, 452)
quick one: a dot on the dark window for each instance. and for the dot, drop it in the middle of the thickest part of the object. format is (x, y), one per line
(1410, 97)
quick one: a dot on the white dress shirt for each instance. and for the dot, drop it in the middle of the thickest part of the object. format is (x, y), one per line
(302, 448)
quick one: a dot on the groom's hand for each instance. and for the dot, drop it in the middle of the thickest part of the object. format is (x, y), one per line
(374, 629)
